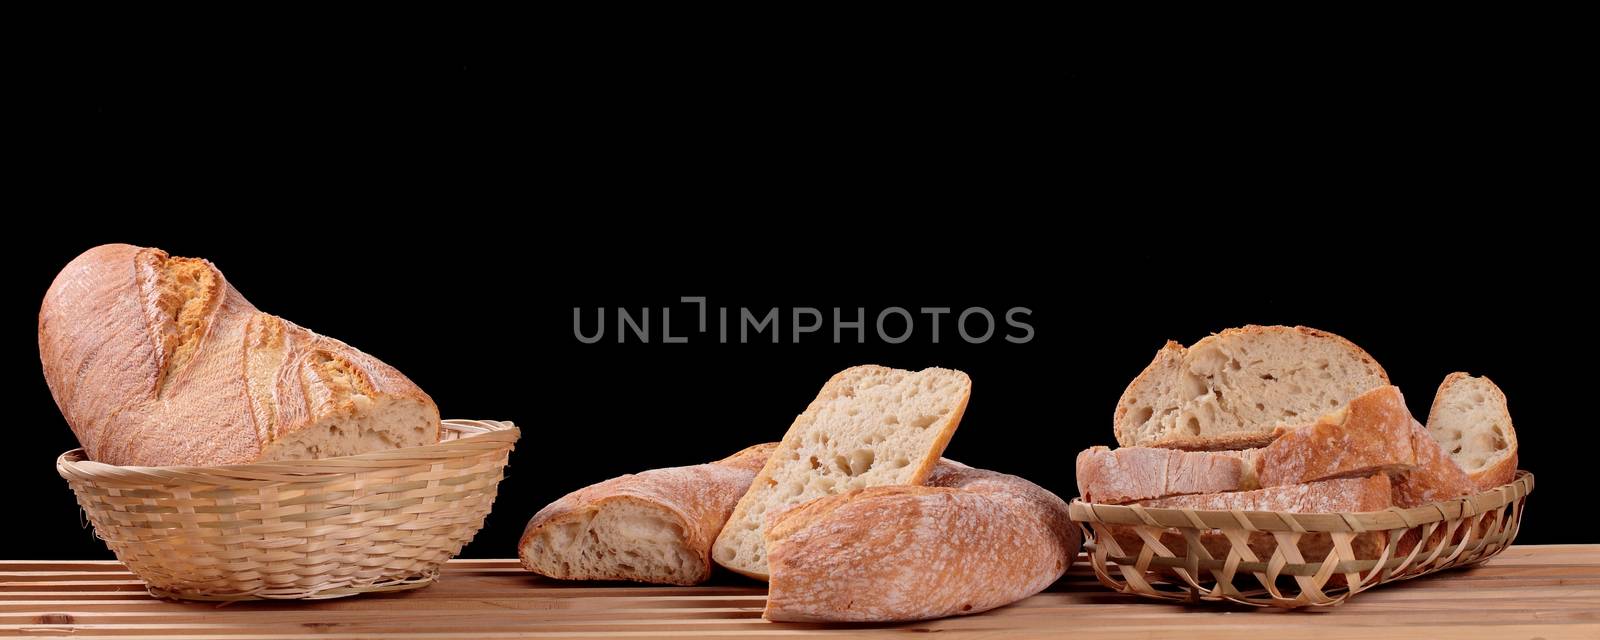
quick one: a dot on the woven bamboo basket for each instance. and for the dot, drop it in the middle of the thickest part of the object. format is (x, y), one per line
(1292, 559)
(297, 529)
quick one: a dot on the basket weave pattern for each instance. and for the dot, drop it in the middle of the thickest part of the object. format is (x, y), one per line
(1292, 559)
(297, 529)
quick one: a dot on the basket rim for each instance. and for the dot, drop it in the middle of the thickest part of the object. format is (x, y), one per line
(1391, 518)
(476, 437)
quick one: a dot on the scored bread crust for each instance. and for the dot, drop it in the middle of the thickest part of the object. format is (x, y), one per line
(967, 541)
(1502, 470)
(695, 500)
(930, 433)
(1163, 375)
(157, 360)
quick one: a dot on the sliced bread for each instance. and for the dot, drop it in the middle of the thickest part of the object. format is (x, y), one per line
(1371, 493)
(1372, 434)
(869, 426)
(1129, 474)
(1241, 388)
(1470, 420)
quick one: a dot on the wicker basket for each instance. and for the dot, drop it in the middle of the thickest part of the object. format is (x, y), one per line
(297, 529)
(1292, 559)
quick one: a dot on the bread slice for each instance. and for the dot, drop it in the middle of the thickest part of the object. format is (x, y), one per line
(1436, 477)
(1339, 495)
(869, 426)
(1130, 474)
(1372, 434)
(655, 526)
(1241, 388)
(1470, 420)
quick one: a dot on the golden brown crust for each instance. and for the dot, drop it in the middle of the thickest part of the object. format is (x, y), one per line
(134, 342)
(1436, 477)
(968, 541)
(1371, 434)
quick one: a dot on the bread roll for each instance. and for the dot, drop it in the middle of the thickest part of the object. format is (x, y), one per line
(656, 526)
(968, 541)
(156, 360)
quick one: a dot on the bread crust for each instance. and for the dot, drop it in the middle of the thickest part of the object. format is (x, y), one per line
(1369, 435)
(698, 498)
(1129, 474)
(156, 360)
(967, 541)
(1436, 476)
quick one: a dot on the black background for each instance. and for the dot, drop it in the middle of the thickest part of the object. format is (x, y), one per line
(448, 218)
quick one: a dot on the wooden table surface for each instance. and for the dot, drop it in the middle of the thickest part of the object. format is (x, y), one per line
(1527, 592)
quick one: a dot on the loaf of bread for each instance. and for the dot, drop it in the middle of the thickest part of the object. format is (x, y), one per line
(1436, 477)
(1241, 388)
(156, 360)
(1470, 419)
(967, 541)
(869, 426)
(656, 526)
(1371, 493)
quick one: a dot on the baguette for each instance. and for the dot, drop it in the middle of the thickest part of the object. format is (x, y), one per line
(1470, 419)
(157, 360)
(656, 526)
(869, 426)
(968, 541)
(1241, 388)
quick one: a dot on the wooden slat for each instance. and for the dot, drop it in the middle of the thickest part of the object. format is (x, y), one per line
(1528, 591)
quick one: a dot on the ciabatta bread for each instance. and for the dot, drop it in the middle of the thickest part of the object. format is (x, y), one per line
(156, 360)
(1371, 434)
(1129, 474)
(656, 526)
(968, 541)
(1242, 387)
(1371, 493)
(1470, 419)
(869, 426)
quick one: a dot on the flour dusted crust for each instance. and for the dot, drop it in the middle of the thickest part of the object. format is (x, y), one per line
(157, 360)
(1340, 495)
(656, 526)
(967, 541)
(1116, 476)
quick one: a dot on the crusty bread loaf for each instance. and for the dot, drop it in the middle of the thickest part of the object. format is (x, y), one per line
(1372, 434)
(968, 541)
(656, 526)
(869, 426)
(1129, 474)
(1240, 388)
(156, 360)
(1470, 419)
(1436, 477)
